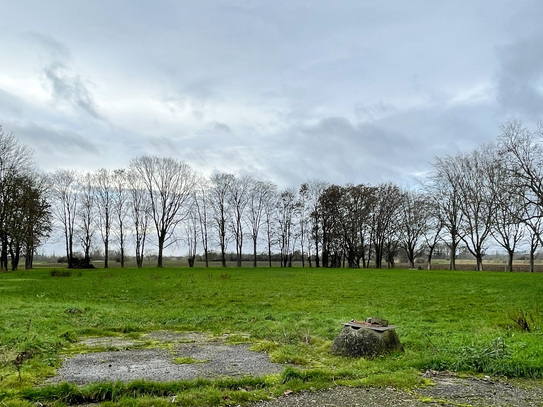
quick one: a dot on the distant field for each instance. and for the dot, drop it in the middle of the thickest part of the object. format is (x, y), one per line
(478, 322)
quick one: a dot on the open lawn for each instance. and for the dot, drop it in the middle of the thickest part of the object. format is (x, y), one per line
(476, 322)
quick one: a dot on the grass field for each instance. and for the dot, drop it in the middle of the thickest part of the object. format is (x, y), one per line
(475, 322)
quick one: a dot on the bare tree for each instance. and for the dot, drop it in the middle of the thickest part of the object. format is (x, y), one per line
(121, 203)
(219, 199)
(286, 221)
(103, 196)
(239, 198)
(191, 234)
(442, 188)
(384, 218)
(85, 220)
(270, 215)
(140, 205)
(534, 228)
(509, 208)
(64, 184)
(433, 234)
(414, 223)
(169, 183)
(312, 191)
(477, 201)
(201, 206)
(261, 195)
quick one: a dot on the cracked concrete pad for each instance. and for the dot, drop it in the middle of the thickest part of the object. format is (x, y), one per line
(213, 359)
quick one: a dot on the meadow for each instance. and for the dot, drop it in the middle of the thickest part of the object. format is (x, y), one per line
(486, 323)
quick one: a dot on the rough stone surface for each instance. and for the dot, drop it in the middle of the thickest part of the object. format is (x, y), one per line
(447, 390)
(377, 320)
(210, 359)
(365, 342)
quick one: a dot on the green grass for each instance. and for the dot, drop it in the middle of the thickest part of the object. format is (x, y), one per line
(460, 321)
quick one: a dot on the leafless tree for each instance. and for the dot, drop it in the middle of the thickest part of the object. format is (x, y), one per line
(286, 222)
(384, 220)
(270, 215)
(239, 198)
(140, 208)
(433, 234)
(121, 204)
(522, 155)
(103, 195)
(191, 227)
(534, 228)
(201, 206)
(442, 188)
(311, 192)
(169, 183)
(219, 199)
(477, 199)
(85, 221)
(261, 196)
(508, 226)
(64, 184)
(414, 224)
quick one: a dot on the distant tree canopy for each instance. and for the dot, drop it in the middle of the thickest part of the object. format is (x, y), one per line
(491, 196)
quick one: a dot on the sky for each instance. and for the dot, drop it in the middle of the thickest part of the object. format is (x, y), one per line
(341, 91)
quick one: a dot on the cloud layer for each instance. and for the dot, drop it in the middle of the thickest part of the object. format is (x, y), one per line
(359, 92)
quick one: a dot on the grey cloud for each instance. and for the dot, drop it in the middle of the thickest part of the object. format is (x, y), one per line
(54, 49)
(55, 142)
(10, 103)
(70, 88)
(222, 127)
(374, 111)
(164, 146)
(520, 77)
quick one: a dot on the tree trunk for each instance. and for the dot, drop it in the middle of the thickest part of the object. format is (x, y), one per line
(106, 253)
(452, 263)
(479, 259)
(254, 252)
(160, 249)
(511, 254)
(29, 259)
(4, 255)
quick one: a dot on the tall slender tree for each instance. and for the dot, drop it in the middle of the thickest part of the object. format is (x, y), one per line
(169, 183)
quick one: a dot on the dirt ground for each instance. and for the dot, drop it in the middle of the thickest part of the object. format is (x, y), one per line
(182, 356)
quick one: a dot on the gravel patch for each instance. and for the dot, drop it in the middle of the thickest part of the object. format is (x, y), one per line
(482, 392)
(211, 357)
(448, 390)
(108, 342)
(346, 396)
(206, 359)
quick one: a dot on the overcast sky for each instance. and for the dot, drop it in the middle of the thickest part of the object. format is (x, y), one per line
(340, 90)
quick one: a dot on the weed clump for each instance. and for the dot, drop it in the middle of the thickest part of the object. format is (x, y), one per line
(525, 320)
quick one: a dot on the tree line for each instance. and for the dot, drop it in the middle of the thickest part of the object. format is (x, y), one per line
(492, 195)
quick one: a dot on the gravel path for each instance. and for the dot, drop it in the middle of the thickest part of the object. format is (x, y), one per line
(448, 391)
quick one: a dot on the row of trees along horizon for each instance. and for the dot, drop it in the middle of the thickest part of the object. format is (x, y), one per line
(473, 200)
